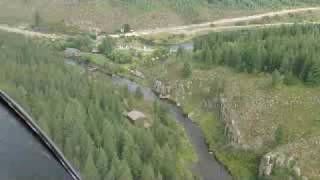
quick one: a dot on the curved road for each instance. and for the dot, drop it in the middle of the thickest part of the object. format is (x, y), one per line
(224, 24)
(188, 29)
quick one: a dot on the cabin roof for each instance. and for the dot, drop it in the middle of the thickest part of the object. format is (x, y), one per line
(136, 115)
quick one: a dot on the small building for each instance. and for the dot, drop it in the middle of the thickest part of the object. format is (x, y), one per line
(71, 52)
(135, 116)
(138, 118)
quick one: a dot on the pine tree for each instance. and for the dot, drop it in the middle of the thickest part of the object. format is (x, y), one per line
(139, 93)
(37, 19)
(187, 70)
(276, 78)
(90, 171)
(123, 172)
(102, 163)
(147, 173)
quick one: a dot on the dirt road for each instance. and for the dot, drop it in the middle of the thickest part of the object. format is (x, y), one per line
(222, 23)
(219, 25)
(28, 32)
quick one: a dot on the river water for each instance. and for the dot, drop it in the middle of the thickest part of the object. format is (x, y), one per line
(207, 166)
(188, 46)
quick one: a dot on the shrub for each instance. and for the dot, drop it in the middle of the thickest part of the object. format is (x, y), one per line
(276, 78)
(106, 47)
(139, 93)
(121, 57)
(187, 70)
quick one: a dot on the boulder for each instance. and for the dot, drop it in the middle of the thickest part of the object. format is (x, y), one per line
(162, 89)
(297, 170)
(157, 86)
(71, 52)
(266, 166)
(137, 74)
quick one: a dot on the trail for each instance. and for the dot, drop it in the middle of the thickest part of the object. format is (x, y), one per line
(218, 25)
(28, 33)
(222, 23)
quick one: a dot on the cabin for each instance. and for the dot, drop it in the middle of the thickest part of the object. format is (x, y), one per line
(135, 116)
(138, 118)
(71, 53)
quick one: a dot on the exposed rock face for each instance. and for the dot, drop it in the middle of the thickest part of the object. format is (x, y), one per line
(137, 74)
(229, 117)
(278, 160)
(71, 52)
(162, 89)
(300, 157)
(266, 166)
(297, 170)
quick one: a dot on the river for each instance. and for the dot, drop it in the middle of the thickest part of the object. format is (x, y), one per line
(207, 166)
(188, 46)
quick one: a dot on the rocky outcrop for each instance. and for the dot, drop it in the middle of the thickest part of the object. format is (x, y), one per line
(137, 74)
(272, 161)
(229, 117)
(301, 158)
(162, 89)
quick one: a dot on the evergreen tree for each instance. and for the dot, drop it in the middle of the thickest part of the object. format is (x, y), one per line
(147, 173)
(276, 78)
(106, 47)
(279, 136)
(102, 163)
(90, 171)
(187, 70)
(37, 19)
(139, 93)
(123, 172)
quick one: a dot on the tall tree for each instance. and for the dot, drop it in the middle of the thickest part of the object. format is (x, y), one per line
(90, 171)
(147, 173)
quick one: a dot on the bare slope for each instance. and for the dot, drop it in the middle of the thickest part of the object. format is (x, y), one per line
(110, 15)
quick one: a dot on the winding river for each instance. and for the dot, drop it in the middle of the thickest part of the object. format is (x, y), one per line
(207, 166)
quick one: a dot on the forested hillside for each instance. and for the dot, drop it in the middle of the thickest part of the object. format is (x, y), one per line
(110, 15)
(255, 94)
(290, 51)
(83, 114)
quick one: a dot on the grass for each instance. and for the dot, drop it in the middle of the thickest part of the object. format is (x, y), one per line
(242, 165)
(98, 59)
(262, 109)
(309, 16)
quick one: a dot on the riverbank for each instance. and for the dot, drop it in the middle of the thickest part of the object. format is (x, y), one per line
(208, 167)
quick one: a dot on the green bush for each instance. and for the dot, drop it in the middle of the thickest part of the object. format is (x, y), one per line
(187, 70)
(106, 47)
(121, 57)
(82, 43)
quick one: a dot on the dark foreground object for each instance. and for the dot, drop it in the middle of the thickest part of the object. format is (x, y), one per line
(26, 153)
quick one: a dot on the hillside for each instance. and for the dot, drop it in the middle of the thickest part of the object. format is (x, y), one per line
(84, 115)
(255, 93)
(140, 14)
